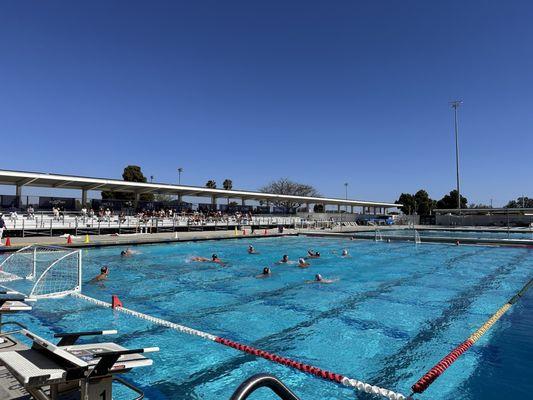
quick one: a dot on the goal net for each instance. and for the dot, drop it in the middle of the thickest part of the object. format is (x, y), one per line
(42, 271)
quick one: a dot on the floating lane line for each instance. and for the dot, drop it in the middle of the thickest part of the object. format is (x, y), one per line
(438, 369)
(327, 375)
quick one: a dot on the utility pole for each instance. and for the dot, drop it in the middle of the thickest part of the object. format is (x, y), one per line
(180, 170)
(346, 190)
(455, 105)
(346, 193)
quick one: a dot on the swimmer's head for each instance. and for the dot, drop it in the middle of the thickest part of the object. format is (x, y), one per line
(317, 254)
(345, 252)
(266, 271)
(318, 277)
(285, 257)
(214, 257)
(104, 270)
(301, 260)
(123, 253)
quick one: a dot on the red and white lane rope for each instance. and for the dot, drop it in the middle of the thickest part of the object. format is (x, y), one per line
(439, 368)
(327, 375)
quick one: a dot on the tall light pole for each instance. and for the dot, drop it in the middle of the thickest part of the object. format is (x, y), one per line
(346, 193)
(455, 105)
(180, 170)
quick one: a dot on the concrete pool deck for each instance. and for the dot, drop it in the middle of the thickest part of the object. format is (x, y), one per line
(363, 232)
(140, 238)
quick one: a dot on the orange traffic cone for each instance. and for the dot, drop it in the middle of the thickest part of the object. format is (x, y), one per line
(115, 302)
(69, 239)
(8, 241)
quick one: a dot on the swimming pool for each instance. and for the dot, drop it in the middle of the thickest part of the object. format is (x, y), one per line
(526, 235)
(395, 311)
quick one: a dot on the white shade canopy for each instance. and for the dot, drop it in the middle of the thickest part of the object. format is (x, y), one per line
(47, 180)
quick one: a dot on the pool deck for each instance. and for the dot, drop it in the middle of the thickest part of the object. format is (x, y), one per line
(140, 238)
(364, 232)
(10, 389)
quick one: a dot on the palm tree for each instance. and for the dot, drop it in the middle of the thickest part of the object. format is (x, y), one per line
(228, 185)
(211, 184)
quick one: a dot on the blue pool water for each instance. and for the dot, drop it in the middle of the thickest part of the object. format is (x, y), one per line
(526, 235)
(394, 312)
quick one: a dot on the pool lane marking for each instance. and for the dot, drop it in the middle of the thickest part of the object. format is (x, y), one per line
(324, 374)
(456, 307)
(155, 320)
(438, 369)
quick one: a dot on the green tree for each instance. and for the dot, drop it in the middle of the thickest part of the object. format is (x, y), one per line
(419, 203)
(132, 173)
(408, 203)
(288, 187)
(211, 184)
(449, 201)
(423, 203)
(521, 202)
(228, 184)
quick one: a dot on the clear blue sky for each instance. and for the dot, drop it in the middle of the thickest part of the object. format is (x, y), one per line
(318, 91)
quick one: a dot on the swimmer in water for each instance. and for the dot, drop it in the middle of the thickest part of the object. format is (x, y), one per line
(251, 250)
(265, 274)
(215, 259)
(320, 279)
(104, 272)
(313, 254)
(345, 253)
(126, 253)
(284, 259)
(200, 259)
(302, 263)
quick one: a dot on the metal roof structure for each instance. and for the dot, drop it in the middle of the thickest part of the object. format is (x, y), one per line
(48, 180)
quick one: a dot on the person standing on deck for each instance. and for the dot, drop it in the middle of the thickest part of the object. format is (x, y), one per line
(2, 228)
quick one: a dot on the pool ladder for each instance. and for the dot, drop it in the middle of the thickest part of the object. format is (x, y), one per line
(258, 381)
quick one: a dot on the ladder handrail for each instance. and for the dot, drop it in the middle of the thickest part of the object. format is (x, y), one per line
(258, 381)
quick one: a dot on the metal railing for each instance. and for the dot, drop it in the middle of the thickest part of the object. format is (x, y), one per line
(259, 381)
(46, 224)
